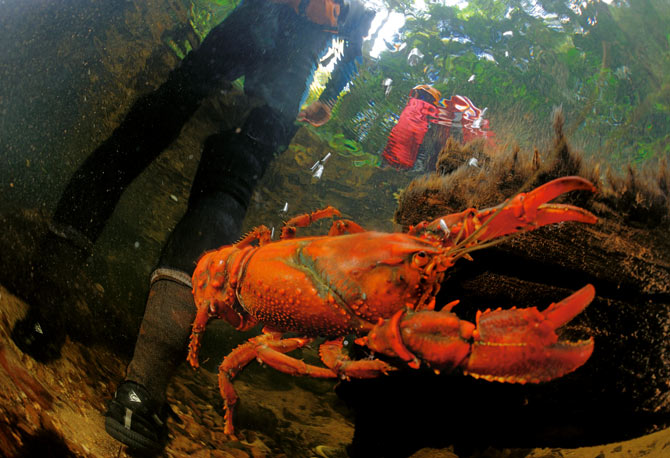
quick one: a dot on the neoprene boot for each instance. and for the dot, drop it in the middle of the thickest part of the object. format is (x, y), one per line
(51, 292)
(136, 415)
(230, 166)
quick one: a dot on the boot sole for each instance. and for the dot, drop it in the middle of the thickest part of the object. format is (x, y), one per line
(132, 439)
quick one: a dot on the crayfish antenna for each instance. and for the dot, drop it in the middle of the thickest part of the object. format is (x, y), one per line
(547, 192)
(463, 251)
(463, 247)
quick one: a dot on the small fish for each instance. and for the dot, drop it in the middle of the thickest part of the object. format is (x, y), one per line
(319, 171)
(318, 166)
(414, 57)
(444, 227)
(477, 123)
(387, 84)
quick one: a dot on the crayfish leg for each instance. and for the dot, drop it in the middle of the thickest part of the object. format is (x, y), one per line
(260, 234)
(199, 324)
(228, 369)
(269, 349)
(344, 226)
(304, 220)
(334, 357)
(272, 354)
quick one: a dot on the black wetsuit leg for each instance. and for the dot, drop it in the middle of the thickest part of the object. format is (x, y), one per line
(153, 122)
(230, 166)
(232, 163)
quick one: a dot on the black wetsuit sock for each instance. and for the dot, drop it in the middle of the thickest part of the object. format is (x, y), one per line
(163, 339)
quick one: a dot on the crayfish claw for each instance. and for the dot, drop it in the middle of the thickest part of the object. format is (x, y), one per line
(551, 190)
(535, 209)
(562, 312)
(521, 346)
(521, 213)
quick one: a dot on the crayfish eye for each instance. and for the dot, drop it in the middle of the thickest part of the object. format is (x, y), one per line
(420, 259)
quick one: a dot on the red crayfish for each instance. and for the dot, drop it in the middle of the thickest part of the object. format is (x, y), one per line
(381, 288)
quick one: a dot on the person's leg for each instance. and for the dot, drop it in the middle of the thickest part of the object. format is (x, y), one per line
(87, 203)
(94, 190)
(230, 166)
(153, 122)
